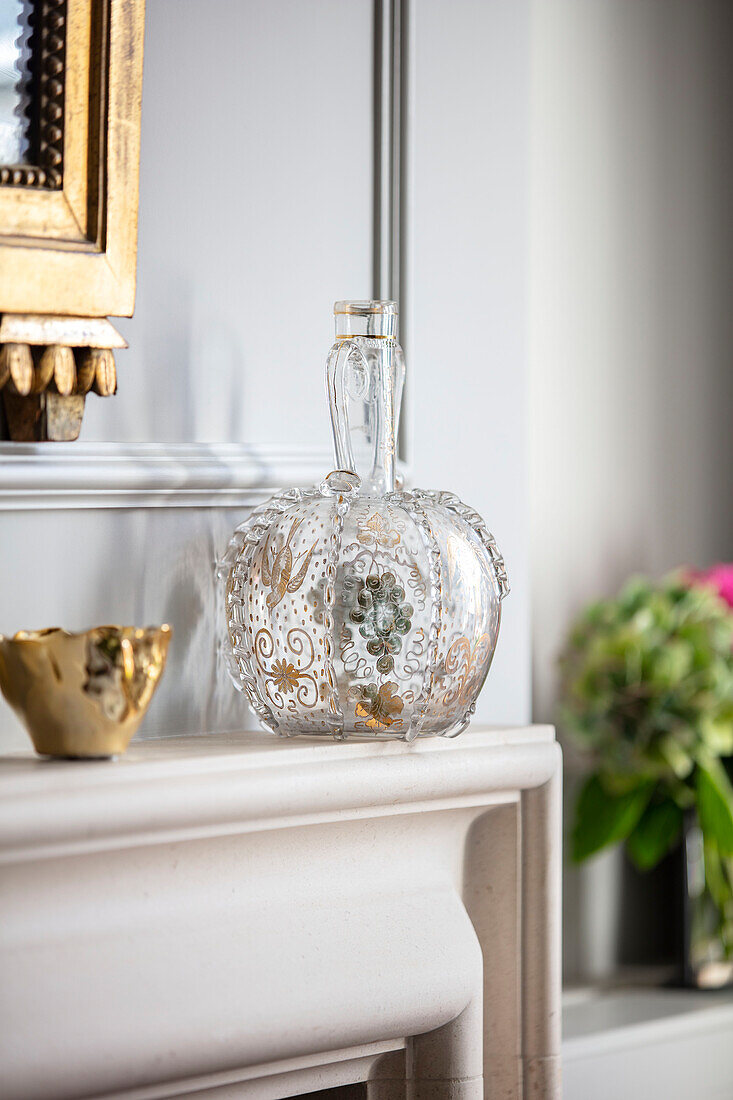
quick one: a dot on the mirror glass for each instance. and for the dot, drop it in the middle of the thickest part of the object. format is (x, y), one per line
(256, 214)
(14, 70)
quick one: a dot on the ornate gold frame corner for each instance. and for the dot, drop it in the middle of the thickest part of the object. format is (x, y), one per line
(68, 223)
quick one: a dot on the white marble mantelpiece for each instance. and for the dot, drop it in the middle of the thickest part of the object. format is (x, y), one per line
(248, 917)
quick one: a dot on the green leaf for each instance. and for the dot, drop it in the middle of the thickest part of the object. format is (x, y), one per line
(715, 877)
(715, 806)
(657, 831)
(602, 818)
(717, 735)
(673, 754)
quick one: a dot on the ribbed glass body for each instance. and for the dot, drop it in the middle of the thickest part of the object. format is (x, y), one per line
(353, 609)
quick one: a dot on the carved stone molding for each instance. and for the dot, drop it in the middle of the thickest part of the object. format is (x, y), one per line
(152, 475)
(254, 913)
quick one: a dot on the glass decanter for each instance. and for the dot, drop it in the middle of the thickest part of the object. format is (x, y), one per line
(355, 609)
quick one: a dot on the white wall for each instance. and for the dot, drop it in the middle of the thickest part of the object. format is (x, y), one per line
(631, 325)
(255, 214)
(469, 353)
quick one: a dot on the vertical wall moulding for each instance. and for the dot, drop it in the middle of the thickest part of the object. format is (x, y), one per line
(393, 98)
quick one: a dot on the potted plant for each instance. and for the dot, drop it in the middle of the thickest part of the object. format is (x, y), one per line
(647, 693)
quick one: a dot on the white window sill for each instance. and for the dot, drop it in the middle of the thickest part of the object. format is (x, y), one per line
(670, 1044)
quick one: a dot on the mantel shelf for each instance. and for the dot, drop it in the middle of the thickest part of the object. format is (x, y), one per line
(275, 916)
(249, 781)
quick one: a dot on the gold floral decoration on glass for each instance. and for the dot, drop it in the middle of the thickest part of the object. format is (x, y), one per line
(284, 676)
(379, 707)
(465, 662)
(375, 531)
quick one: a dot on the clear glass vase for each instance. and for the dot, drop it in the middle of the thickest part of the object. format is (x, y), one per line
(707, 919)
(355, 608)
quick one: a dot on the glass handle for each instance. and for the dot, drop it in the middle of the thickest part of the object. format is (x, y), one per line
(338, 404)
(370, 382)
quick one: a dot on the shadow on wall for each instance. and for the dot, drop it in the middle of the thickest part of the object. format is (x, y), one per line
(200, 697)
(80, 567)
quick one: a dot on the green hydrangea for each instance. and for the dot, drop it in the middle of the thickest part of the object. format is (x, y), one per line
(647, 680)
(647, 692)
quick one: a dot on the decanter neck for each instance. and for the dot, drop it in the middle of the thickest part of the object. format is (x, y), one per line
(364, 377)
(377, 319)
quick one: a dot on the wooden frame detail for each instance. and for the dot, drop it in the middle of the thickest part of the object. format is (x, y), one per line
(68, 240)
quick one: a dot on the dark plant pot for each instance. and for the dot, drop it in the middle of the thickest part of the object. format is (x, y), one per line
(703, 963)
(649, 931)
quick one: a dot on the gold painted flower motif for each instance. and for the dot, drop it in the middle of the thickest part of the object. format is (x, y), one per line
(374, 531)
(379, 707)
(284, 676)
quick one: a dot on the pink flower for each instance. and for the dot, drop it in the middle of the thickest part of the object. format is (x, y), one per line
(719, 577)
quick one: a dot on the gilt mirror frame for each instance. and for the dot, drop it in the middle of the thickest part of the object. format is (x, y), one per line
(68, 224)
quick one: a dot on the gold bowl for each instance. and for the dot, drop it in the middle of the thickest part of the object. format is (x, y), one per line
(85, 694)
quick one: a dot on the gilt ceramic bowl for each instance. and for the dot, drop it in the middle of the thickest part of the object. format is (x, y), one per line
(85, 694)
